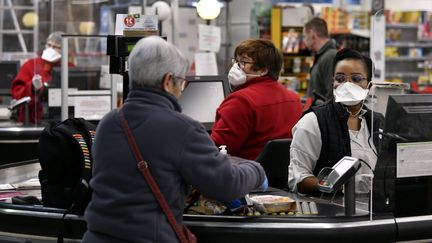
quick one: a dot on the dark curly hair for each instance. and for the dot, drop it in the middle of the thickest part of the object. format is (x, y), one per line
(348, 53)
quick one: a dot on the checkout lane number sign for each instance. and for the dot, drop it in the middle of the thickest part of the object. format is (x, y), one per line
(135, 22)
(129, 21)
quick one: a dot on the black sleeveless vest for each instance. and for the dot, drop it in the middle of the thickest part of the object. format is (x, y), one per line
(332, 120)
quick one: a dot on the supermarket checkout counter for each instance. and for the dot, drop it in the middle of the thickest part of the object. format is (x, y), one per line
(17, 142)
(318, 219)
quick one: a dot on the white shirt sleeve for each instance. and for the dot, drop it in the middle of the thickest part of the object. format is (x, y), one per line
(305, 149)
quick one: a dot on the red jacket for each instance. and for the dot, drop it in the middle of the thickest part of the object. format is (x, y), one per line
(22, 86)
(256, 112)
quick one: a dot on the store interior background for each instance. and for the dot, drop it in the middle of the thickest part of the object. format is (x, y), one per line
(26, 25)
(405, 57)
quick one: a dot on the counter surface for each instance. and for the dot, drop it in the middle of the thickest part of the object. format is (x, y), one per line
(330, 224)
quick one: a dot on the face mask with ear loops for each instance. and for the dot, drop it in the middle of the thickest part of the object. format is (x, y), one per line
(237, 76)
(350, 94)
(50, 55)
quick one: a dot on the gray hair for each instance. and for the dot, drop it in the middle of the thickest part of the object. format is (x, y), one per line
(55, 37)
(152, 58)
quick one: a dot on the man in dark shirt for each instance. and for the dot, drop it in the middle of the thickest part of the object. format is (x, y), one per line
(317, 40)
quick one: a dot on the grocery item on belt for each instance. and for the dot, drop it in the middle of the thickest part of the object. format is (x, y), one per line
(273, 203)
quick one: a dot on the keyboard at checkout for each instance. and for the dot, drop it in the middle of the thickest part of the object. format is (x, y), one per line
(304, 207)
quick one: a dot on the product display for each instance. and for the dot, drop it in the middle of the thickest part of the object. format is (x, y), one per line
(408, 47)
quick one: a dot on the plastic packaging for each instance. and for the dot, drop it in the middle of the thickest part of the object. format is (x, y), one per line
(273, 203)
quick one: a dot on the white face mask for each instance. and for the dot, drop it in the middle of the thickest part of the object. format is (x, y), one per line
(50, 55)
(350, 94)
(237, 76)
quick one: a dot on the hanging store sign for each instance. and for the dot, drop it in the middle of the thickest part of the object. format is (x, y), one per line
(136, 22)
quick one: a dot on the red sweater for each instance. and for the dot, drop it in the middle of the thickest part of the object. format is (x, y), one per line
(22, 86)
(256, 112)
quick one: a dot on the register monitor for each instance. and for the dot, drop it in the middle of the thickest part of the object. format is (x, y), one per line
(404, 173)
(410, 116)
(82, 78)
(8, 71)
(202, 97)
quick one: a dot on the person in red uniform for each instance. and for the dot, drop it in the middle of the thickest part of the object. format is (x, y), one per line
(33, 77)
(259, 109)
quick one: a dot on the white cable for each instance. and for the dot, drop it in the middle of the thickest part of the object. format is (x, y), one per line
(370, 198)
(372, 116)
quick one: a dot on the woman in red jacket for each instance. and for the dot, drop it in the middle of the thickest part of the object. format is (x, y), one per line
(259, 109)
(34, 74)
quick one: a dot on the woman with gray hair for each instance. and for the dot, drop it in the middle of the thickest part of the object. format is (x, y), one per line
(161, 59)
(178, 150)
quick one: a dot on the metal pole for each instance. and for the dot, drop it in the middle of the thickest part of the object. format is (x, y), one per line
(64, 78)
(17, 27)
(36, 28)
(174, 20)
(51, 16)
(349, 197)
(144, 5)
(113, 91)
(228, 36)
(1, 25)
(26, 114)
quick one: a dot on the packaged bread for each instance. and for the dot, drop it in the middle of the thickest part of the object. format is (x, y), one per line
(273, 203)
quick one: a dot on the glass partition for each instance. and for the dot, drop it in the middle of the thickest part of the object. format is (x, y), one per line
(83, 81)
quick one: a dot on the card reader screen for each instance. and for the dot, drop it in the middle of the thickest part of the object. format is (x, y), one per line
(344, 165)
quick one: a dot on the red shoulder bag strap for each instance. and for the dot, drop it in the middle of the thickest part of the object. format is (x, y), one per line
(143, 167)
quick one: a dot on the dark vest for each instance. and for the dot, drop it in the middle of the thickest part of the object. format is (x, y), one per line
(333, 124)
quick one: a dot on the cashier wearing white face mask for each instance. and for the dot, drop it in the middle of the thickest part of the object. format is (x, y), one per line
(52, 52)
(34, 75)
(340, 127)
(237, 74)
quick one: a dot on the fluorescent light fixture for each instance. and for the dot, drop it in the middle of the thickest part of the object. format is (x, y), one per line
(208, 9)
(88, 1)
(195, 3)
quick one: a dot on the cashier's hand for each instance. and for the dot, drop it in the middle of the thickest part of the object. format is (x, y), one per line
(37, 82)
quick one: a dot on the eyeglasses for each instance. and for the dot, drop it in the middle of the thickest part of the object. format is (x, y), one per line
(51, 45)
(184, 83)
(355, 78)
(242, 63)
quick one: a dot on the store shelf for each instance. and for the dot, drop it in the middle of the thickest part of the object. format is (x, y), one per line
(404, 74)
(425, 39)
(355, 39)
(361, 33)
(14, 32)
(18, 7)
(410, 44)
(402, 26)
(408, 58)
(407, 48)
